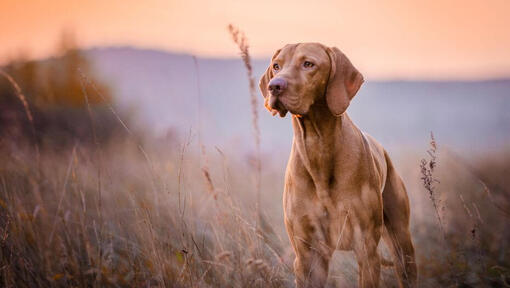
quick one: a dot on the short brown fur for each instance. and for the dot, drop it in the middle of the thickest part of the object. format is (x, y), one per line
(341, 189)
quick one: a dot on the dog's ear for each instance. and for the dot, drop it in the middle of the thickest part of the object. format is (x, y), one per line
(266, 77)
(344, 82)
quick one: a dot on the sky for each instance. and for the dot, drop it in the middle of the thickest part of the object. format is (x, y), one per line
(386, 39)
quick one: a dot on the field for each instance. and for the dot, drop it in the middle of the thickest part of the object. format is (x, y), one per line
(87, 200)
(169, 215)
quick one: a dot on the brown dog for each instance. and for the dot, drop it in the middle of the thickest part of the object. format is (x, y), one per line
(341, 189)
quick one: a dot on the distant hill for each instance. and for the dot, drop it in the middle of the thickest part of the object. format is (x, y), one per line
(162, 86)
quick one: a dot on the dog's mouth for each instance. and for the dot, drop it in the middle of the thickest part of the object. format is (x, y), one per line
(275, 106)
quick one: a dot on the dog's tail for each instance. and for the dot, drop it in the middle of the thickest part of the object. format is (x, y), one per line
(396, 233)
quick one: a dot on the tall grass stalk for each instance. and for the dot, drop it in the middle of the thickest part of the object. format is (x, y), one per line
(27, 110)
(242, 43)
(99, 159)
(203, 154)
(427, 168)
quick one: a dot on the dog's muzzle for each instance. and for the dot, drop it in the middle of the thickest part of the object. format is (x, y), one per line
(276, 87)
(275, 104)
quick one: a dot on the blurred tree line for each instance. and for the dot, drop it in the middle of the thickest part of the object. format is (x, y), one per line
(55, 90)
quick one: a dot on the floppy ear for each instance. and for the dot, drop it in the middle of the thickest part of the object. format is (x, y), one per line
(266, 77)
(344, 82)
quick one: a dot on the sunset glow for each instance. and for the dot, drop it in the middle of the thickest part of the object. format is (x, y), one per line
(386, 39)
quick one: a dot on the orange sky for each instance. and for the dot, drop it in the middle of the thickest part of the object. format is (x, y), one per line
(386, 39)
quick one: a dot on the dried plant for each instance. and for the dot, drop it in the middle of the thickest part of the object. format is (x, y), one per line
(20, 96)
(122, 236)
(427, 176)
(207, 175)
(240, 39)
(203, 155)
(26, 107)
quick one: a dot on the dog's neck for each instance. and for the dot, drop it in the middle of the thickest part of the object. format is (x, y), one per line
(319, 123)
(316, 134)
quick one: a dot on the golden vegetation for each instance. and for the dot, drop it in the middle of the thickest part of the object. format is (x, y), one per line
(156, 214)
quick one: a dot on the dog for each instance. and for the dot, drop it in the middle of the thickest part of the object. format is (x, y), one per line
(341, 191)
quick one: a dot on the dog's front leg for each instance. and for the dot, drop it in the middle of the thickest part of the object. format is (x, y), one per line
(309, 239)
(310, 266)
(369, 264)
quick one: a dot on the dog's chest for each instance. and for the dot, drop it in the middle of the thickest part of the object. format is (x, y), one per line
(321, 159)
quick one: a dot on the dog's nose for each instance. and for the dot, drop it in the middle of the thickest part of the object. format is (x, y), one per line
(277, 86)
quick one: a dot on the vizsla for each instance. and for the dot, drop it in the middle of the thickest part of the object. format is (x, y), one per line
(342, 191)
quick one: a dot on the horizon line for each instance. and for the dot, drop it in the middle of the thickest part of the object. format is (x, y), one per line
(141, 48)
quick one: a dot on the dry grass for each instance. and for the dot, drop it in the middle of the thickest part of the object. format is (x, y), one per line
(59, 230)
(19, 94)
(427, 168)
(242, 42)
(470, 228)
(127, 214)
(161, 226)
(98, 216)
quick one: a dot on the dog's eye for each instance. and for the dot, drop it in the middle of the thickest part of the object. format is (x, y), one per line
(276, 67)
(308, 64)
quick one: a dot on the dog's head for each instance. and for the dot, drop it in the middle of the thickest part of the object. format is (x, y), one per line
(301, 74)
